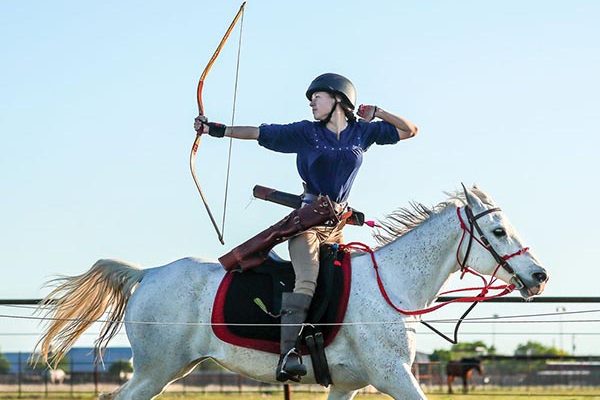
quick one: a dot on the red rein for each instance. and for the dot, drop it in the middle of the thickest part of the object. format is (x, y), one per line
(506, 289)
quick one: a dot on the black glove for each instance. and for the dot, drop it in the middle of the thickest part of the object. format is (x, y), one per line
(216, 129)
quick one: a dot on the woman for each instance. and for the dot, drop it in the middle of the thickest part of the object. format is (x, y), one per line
(329, 155)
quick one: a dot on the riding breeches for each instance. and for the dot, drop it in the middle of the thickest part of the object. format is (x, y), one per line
(304, 253)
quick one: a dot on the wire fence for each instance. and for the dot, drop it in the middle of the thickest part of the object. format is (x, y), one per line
(504, 319)
(509, 373)
(84, 378)
(506, 374)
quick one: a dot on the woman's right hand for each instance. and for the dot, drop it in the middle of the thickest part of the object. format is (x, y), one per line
(367, 112)
(200, 125)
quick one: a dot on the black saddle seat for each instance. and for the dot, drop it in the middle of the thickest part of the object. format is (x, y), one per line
(250, 302)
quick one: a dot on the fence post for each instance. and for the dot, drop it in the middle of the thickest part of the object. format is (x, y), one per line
(19, 375)
(528, 375)
(287, 393)
(441, 378)
(95, 373)
(46, 373)
(430, 373)
(416, 372)
(72, 373)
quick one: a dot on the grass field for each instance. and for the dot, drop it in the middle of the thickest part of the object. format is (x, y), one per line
(546, 394)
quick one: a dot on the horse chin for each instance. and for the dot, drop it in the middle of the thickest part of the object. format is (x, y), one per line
(529, 292)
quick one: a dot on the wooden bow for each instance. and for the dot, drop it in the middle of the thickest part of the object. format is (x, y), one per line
(196, 143)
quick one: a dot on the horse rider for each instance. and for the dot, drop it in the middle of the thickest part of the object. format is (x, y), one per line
(329, 152)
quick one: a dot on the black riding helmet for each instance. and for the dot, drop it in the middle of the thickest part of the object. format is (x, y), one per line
(334, 83)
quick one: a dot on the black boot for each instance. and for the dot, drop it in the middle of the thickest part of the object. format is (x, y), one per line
(294, 307)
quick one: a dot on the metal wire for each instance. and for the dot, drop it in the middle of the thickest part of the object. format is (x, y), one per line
(10, 334)
(476, 320)
(237, 74)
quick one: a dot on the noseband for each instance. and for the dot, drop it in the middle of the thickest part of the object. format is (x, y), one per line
(515, 281)
(502, 261)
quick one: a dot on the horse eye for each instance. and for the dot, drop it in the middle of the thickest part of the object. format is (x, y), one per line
(499, 232)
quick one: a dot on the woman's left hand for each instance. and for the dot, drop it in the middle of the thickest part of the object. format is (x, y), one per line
(200, 124)
(367, 112)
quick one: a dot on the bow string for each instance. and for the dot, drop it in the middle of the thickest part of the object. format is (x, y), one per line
(193, 153)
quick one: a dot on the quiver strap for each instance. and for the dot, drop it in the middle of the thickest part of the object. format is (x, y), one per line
(254, 251)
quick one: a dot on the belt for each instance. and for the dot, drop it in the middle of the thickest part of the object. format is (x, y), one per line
(308, 198)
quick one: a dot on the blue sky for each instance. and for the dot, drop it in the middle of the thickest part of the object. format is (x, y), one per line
(97, 101)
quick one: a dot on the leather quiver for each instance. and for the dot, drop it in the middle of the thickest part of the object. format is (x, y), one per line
(254, 251)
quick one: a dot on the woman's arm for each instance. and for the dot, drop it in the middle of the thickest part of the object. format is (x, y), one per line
(219, 130)
(405, 128)
(242, 132)
(288, 138)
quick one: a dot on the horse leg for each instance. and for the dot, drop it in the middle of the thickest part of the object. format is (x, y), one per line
(156, 360)
(450, 379)
(398, 382)
(150, 379)
(465, 382)
(341, 394)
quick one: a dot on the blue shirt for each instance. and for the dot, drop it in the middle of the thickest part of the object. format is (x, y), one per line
(327, 165)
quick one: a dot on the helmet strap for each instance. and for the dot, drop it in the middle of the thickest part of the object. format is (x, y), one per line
(326, 120)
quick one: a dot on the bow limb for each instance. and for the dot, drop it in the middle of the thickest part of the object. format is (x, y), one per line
(214, 57)
(196, 144)
(193, 153)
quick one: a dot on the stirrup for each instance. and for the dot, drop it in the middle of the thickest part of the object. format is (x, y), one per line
(282, 375)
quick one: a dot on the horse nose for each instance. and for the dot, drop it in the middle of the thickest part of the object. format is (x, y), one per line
(540, 277)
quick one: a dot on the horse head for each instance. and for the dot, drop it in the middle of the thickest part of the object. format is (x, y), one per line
(495, 248)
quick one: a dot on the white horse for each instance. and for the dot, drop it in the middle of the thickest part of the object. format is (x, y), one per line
(167, 310)
(57, 376)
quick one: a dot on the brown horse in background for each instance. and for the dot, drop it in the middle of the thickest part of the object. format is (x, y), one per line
(464, 369)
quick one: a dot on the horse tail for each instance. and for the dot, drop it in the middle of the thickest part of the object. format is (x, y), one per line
(78, 301)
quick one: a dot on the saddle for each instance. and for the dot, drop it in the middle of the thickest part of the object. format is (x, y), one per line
(247, 305)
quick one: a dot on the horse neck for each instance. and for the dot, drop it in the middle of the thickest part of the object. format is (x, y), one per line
(420, 262)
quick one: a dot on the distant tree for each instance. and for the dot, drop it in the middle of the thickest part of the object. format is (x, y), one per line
(469, 349)
(120, 369)
(35, 363)
(4, 364)
(64, 364)
(533, 348)
(441, 355)
(463, 349)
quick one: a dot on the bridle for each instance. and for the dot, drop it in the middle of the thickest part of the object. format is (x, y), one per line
(502, 262)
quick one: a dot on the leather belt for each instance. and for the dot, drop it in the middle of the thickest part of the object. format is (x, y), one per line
(308, 198)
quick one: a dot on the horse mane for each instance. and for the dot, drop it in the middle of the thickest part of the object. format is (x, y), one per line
(404, 219)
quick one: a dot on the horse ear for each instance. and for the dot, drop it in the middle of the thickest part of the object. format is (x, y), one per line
(472, 200)
(485, 198)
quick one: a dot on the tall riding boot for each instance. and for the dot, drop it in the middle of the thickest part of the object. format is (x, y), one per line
(294, 307)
